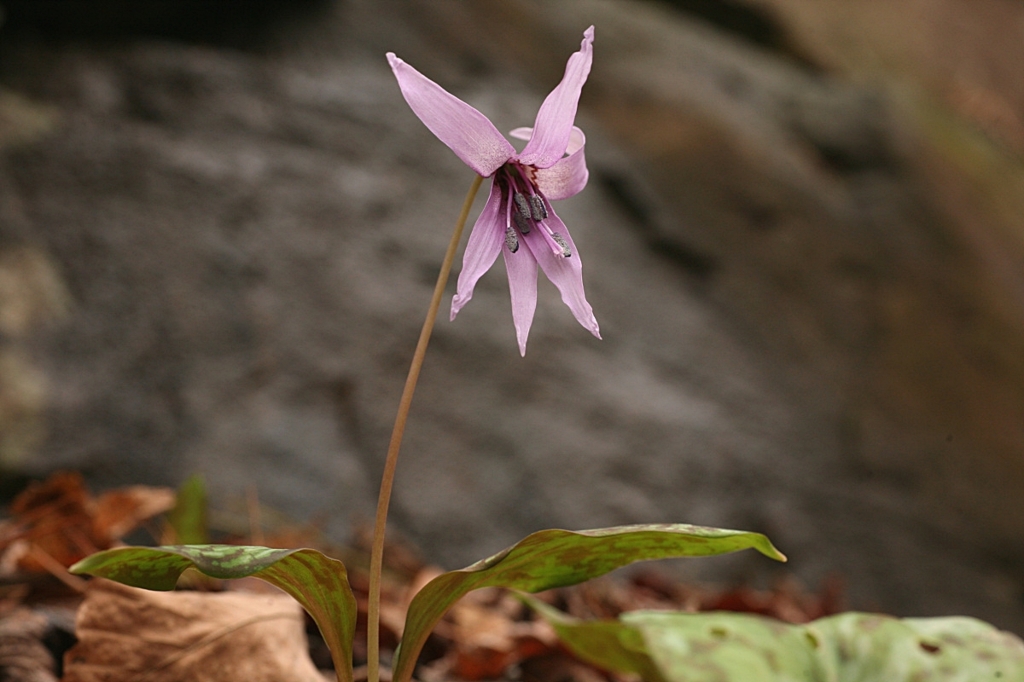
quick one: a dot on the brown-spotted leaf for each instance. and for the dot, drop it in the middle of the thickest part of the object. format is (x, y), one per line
(739, 647)
(316, 581)
(556, 558)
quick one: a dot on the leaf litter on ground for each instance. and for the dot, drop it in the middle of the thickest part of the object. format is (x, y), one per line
(126, 633)
(489, 634)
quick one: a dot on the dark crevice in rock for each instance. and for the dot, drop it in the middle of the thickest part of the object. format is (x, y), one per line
(840, 160)
(849, 127)
(621, 191)
(230, 22)
(846, 158)
(750, 24)
(700, 265)
(759, 217)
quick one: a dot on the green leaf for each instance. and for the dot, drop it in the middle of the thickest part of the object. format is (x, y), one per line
(188, 518)
(316, 581)
(716, 647)
(850, 647)
(555, 558)
(607, 644)
(864, 647)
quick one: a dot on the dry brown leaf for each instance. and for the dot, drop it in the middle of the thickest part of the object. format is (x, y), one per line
(488, 636)
(560, 667)
(787, 600)
(56, 522)
(118, 512)
(54, 517)
(127, 634)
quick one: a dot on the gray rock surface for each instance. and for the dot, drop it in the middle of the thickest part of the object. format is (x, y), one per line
(226, 253)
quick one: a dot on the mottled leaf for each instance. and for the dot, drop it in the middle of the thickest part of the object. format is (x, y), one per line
(850, 647)
(556, 558)
(862, 647)
(316, 581)
(733, 647)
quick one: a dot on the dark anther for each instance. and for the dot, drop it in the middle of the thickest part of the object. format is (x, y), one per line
(522, 223)
(521, 204)
(511, 240)
(540, 212)
(560, 240)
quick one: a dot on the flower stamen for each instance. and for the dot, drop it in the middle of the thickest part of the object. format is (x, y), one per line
(522, 214)
(537, 208)
(560, 240)
(521, 204)
(511, 240)
(522, 223)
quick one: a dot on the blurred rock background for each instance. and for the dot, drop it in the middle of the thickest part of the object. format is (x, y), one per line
(803, 239)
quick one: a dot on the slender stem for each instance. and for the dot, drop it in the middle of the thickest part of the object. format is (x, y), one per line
(377, 551)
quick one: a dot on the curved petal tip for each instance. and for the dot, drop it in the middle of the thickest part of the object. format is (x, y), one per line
(554, 123)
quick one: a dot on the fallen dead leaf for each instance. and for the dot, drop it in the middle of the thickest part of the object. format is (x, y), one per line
(489, 634)
(127, 634)
(787, 600)
(118, 512)
(57, 522)
(558, 666)
(52, 516)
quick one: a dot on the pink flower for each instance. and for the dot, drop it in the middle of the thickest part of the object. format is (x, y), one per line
(518, 220)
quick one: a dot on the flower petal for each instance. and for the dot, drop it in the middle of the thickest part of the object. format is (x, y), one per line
(553, 126)
(521, 267)
(569, 174)
(564, 273)
(521, 133)
(481, 250)
(466, 131)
